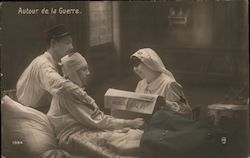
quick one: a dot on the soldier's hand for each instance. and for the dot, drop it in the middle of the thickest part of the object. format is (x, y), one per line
(137, 123)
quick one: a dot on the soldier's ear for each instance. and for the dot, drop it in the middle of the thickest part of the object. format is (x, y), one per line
(52, 42)
(66, 77)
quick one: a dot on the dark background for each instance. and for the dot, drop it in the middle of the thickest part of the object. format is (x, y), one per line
(208, 55)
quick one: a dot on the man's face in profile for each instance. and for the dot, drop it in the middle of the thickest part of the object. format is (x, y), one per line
(63, 46)
(84, 75)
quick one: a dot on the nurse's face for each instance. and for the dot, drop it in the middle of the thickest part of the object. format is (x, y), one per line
(84, 75)
(142, 71)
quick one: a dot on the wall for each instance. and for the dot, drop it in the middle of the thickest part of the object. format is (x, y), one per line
(211, 48)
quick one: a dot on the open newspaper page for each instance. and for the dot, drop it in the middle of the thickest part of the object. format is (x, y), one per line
(130, 101)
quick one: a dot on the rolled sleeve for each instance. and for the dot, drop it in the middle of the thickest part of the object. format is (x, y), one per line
(50, 80)
(55, 84)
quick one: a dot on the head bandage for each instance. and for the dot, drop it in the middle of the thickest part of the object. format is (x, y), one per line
(70, 65)
(150, 58)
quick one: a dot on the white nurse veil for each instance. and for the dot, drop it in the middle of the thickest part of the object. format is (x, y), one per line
(151, 59)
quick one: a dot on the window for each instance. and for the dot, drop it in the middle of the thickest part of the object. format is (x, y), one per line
(100, 20)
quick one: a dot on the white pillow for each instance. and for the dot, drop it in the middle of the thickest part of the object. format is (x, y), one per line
(26, 131)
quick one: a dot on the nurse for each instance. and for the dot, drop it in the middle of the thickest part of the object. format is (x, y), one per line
(156, 79)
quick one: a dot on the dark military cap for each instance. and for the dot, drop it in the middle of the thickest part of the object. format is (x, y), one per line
(56, 32)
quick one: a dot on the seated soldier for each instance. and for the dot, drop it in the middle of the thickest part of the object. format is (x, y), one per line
(81, 129)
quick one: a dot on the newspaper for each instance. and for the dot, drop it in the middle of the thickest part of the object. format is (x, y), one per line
(130, 101)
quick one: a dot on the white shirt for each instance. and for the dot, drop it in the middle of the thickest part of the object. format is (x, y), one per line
(41, 78)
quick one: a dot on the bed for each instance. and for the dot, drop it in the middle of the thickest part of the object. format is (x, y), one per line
(27, 132)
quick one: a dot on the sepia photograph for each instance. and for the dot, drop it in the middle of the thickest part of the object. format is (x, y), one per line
(125, 79)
